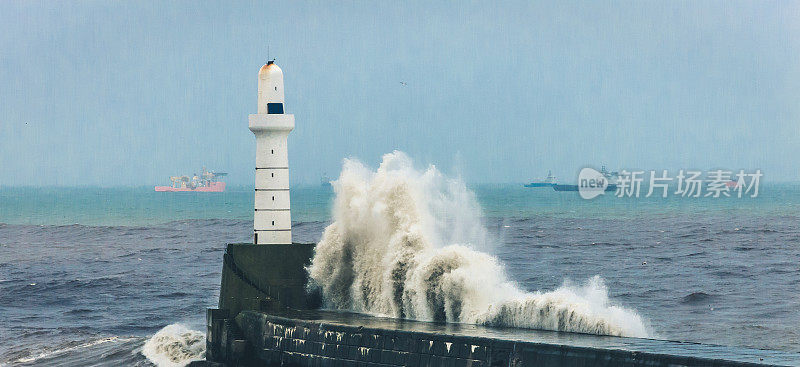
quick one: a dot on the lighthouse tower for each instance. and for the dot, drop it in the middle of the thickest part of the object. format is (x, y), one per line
(272, 223)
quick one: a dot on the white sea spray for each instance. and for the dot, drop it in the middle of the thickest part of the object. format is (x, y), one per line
(406, 243)
(175, 346)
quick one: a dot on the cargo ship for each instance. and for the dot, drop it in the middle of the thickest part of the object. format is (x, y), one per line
(548, 181)
(612, 178)
(208, 181)
(610, 187)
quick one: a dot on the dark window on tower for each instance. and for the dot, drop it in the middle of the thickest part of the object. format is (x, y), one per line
(275, 108)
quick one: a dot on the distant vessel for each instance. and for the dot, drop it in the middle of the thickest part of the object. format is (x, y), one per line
(206, 182)
(610, 187)
(548, 181)
(612, 178)
(325, 181)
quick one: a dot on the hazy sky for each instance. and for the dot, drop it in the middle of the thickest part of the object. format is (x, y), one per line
(131, 92)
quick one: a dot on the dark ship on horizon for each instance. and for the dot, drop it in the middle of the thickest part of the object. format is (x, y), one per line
(612, 178)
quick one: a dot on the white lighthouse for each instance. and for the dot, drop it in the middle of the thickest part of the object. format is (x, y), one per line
(272, 223)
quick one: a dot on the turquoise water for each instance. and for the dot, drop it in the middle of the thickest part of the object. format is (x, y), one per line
(139, 206)
(142, 206)
(515, 201)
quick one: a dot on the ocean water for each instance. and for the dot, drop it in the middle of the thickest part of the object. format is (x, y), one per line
(106, 276)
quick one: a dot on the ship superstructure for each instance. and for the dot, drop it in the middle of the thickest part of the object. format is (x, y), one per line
(548, 181)
(207, 181)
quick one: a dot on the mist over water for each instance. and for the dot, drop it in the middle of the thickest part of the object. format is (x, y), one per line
(406, 243)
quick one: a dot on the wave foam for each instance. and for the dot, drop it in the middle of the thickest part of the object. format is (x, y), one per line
(404, 243)
(77, 346)
(175, 346)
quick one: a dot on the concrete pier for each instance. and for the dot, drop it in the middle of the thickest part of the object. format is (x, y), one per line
(266, 318)
(325, 338)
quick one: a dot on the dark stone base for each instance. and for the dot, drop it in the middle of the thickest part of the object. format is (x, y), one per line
(261, 278)
(266, 277)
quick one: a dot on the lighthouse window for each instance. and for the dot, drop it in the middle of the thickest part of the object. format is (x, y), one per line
(273, 174)
(275, 108)
(272, 151)
(273, 198)
(276, 88)
(273, 222)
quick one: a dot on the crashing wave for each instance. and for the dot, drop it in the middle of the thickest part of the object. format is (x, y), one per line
(405, 243)
(175, 346)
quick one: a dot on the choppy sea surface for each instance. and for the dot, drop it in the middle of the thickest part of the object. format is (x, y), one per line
(88, 275)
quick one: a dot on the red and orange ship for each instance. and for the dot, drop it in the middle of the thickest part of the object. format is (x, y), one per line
(207, 182)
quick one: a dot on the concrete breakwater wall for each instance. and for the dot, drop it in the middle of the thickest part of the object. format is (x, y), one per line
(320, 338)
(267, 318)
(285, 341)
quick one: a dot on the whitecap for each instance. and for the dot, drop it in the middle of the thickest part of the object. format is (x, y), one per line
(175, 346)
